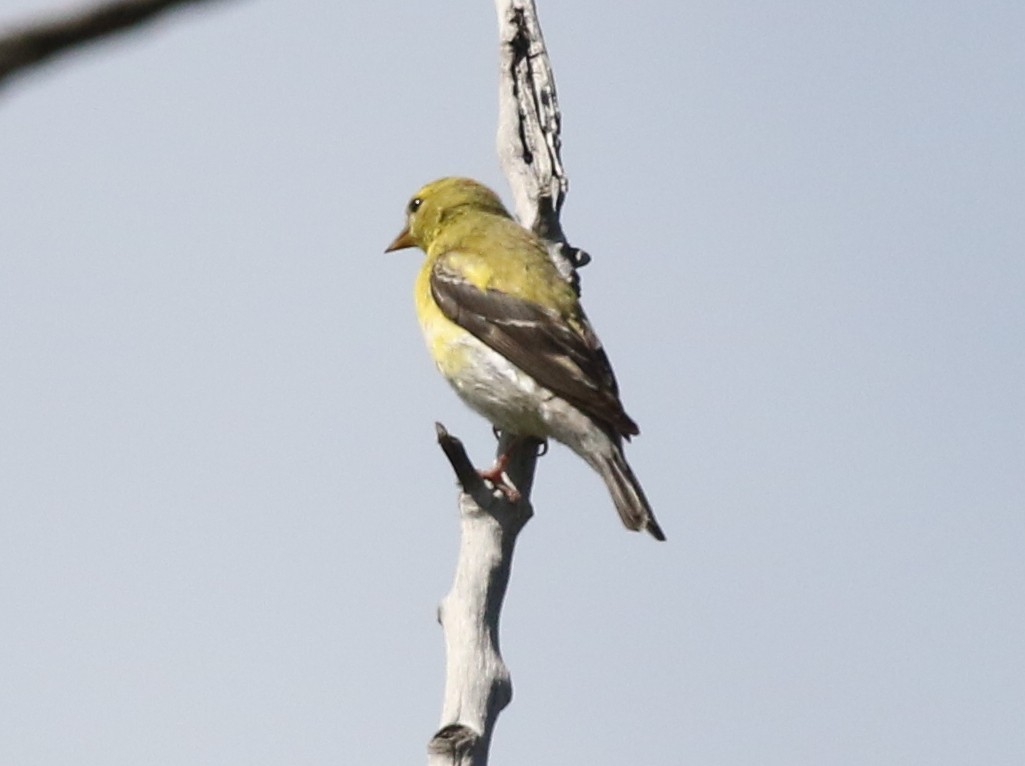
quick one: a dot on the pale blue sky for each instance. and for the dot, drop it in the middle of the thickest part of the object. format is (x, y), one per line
(225, 525)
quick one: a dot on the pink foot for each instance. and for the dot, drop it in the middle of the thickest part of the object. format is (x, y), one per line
(496, 475)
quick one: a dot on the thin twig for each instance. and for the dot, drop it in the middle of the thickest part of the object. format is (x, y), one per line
(26, 45)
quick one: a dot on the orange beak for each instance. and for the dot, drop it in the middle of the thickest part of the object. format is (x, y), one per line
(401, 242)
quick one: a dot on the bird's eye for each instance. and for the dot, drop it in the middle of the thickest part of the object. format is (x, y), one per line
(414, 205)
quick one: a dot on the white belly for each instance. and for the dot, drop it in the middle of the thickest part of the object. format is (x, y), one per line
(497, 389)
(509, 398)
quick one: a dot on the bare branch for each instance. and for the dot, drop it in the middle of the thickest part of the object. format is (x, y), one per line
(529, 125)
(25, 45)
(466, 474)
(477, 681)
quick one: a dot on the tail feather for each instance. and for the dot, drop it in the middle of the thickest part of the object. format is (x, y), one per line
(632, 505)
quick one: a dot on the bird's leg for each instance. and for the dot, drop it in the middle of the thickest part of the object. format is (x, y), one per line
(496, 473)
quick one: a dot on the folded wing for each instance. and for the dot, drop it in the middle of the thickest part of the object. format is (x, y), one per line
(563, 354)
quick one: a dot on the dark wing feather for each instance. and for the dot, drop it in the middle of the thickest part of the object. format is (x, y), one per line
(566, 360)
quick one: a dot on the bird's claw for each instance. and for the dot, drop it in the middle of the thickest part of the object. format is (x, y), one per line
(496, 475)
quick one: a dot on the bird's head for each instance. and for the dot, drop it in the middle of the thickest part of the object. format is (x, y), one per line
(438, 204)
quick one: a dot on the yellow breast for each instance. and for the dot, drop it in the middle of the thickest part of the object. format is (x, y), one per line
(443, 336)
(484, 379)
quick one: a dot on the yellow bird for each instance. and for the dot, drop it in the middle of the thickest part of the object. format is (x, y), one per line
(509, 333)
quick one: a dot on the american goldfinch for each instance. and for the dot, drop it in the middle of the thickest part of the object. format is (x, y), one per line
(511, 337)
